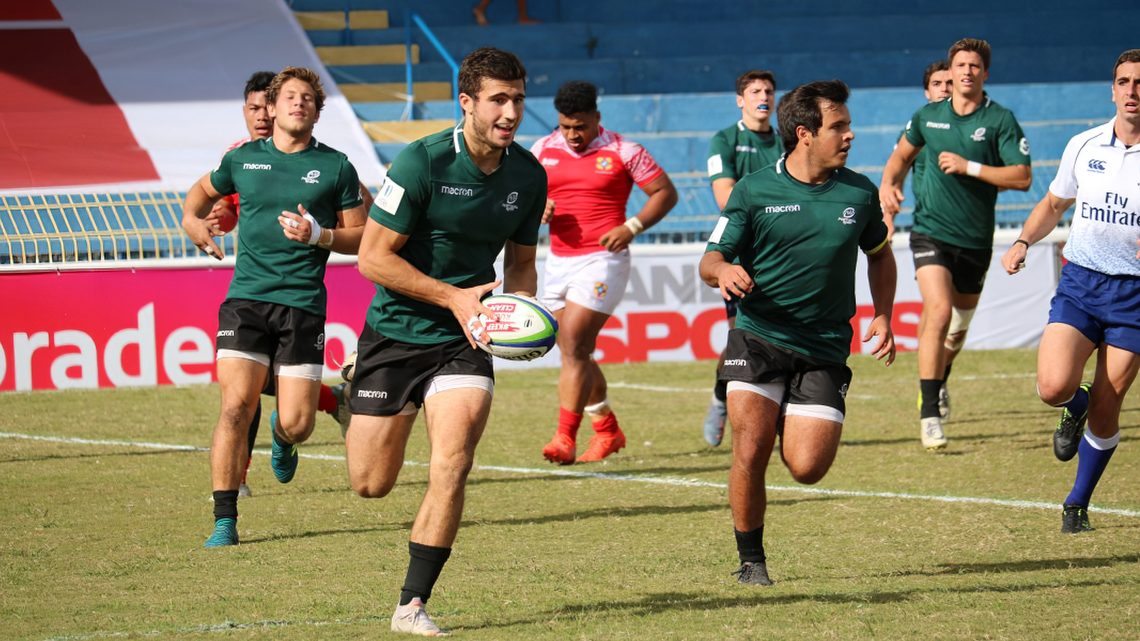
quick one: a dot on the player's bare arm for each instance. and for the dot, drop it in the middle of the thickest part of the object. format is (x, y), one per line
(221, 209)
(519, 273)
(881, 278)
(662, 197)
(891, 188)
(1018, 177)
(548, 211)
(380, 263)
(722, 189)
(1042, 220)
(199, 201)
(732, 280)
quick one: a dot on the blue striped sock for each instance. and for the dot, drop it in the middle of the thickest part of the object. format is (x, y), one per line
(1093, 455)
(1078, 404)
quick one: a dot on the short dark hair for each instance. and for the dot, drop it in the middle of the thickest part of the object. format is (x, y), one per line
(1132, 55)
(576, 97)
(489, 62)
(801, 107)
(300, 73)
(978, 46)
(749, 77)
(931, 69)
(259, 81)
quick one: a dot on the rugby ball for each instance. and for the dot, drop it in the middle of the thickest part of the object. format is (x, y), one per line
(521, 330)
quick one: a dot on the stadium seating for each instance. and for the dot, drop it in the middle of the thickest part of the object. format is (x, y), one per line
(95, 227)
(665, 70)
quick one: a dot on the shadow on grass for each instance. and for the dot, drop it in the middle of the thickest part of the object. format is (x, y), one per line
(667, 602)
(390, 527)
(78, 456)
(641, 510)
(1037, 564)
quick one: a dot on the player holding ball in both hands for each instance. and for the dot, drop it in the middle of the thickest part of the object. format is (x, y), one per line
(450, 203)
(591, 172)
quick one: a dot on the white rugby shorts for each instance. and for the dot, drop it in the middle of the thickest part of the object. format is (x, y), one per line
(596, 281)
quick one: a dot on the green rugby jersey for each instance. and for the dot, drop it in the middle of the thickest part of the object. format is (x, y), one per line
(799, 244)
(736, 151)
(457, 220)
(269, 266)
(959, 209)
(920, 163)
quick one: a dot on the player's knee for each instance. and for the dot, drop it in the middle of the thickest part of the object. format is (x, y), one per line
(958, 326)
(296, 428)
(809, 473)
(374, 486)
(451, 471)
(1055, 391)
(576, 350)
(235, 416)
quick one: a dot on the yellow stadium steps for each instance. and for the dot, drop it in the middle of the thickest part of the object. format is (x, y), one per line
(367, 55)
(405, 131)
(321, 20)
(395, 91)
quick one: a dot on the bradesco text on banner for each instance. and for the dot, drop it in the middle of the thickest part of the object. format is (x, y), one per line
(141, 327)
(138, 327)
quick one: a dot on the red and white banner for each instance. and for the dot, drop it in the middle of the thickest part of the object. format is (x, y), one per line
(144, 95)
(141, 326)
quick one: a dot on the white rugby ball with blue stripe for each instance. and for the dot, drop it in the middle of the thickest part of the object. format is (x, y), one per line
(522, 329)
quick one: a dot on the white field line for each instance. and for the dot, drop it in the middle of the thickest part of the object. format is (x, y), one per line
(628, 478)
(705, 390)
(226, 626)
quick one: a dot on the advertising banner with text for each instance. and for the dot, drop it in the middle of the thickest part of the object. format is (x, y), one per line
(142, 327)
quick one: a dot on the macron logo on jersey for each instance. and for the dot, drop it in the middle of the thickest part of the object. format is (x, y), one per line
(448, 190)
(257, 166)
(780, 209)
(938, 125)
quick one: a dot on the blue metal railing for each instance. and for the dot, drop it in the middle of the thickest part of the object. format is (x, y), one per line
(415, 19)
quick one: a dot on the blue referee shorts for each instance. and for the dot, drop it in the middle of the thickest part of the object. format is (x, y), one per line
(1105, 308)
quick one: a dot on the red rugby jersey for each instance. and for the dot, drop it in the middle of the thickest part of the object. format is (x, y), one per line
(590, 190)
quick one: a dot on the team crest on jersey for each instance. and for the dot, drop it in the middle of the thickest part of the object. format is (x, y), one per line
(600, 290)
(320, 344)
(979, 135)
(604, 163)
(312, 177)
(512, 198)
(848, 217)
(1023, 145)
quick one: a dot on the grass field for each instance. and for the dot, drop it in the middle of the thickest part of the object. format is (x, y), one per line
(102, 527)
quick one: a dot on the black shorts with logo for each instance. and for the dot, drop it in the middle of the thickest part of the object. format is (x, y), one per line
(967, 267)
(390, 374)
(808, 381)
(289, 336)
